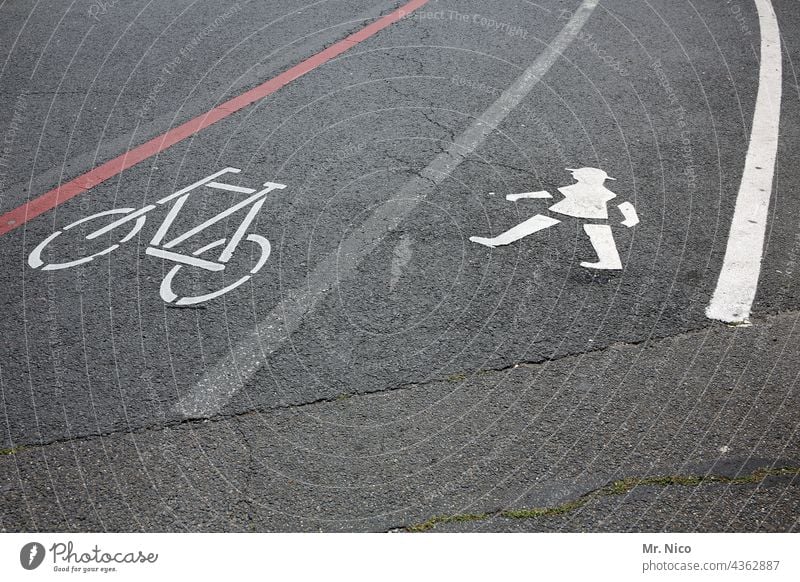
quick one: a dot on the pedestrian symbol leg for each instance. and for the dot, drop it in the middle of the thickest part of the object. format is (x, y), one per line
(533, 224)
(603, 242)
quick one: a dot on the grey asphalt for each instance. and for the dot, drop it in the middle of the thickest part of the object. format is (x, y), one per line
(441, 379)
(535, 436)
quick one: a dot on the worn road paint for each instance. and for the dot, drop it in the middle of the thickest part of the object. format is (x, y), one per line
(33, 208)
(400, 258)
(733, 297)
(228, 376)
(539, 194)
(603, 243)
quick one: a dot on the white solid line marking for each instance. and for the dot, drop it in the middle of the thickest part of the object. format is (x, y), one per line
(738, 280)
(219, 384)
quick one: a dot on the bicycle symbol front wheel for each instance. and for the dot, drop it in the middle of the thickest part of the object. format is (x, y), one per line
(169, 296)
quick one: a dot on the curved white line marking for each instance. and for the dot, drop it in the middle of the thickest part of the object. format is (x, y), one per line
(738, 280)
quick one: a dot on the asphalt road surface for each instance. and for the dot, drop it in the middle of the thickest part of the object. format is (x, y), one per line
(356, 362)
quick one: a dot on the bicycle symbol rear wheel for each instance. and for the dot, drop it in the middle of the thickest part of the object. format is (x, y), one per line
(169, 296)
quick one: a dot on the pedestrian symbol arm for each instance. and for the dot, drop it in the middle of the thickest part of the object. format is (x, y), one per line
(539, 194)
(629, 212)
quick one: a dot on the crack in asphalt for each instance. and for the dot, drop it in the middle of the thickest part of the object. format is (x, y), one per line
(409, 167)
(618, 487)
(450, 131)
(650, 342)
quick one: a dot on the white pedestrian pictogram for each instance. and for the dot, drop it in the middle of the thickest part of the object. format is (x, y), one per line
(588, 199)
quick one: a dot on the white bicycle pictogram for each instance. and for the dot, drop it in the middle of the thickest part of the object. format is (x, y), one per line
(164, 250)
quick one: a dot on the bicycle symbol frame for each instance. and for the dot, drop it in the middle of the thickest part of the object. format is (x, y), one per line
(164, 250)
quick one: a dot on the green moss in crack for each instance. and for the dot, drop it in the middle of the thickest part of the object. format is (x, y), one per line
(619, 487)
(545, 511)
(456, 378)
(441, 519)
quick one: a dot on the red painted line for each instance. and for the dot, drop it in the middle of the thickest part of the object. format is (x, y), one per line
(33, 208)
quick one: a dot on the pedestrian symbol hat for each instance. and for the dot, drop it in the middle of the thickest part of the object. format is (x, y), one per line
(596, 172)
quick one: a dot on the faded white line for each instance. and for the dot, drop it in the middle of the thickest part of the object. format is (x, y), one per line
(228, 376)
(736, 287)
